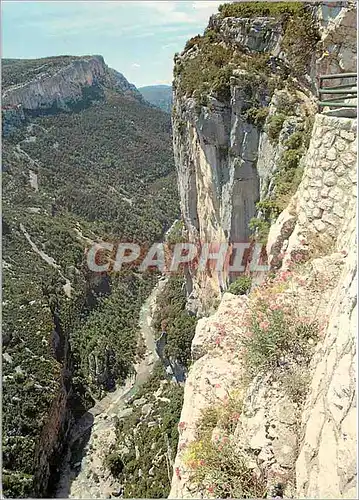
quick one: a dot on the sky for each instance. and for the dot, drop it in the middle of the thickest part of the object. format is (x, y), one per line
(137, 38)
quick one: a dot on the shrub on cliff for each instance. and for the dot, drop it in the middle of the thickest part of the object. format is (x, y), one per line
(220, 470)
(241, 286)
(260, 229)
(274, 126)
(276, 331)
(207, 70)
(114, 463)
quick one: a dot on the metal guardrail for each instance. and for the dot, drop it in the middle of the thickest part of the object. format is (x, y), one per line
(341, 92)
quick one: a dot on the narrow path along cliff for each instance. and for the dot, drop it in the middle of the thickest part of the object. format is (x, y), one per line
(83, 474)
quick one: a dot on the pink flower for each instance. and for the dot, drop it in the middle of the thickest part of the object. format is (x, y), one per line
(178, 472)
(264, 325)
(202, 463)
(182, 425)
(217, 386)
(210, 489)
(218, 341)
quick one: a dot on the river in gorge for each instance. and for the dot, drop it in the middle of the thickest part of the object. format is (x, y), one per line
(82, 474)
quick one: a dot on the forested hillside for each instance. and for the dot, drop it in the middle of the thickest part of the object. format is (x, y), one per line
(96, 165)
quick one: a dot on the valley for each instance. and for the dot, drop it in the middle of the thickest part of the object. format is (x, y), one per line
(90, 154)
(203, 381)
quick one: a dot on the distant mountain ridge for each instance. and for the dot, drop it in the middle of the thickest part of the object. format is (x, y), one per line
(158, 95)
(58, 81)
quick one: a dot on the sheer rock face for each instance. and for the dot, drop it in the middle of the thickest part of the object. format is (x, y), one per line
(66, 83)
(218, 191)
(225, 164)
(60, 88)
(261, 34)
(339, 40)
(327, 464)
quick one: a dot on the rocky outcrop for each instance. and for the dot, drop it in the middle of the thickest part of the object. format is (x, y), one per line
(215, 371)
(261, 34)
(67, 83)
(338, 37)
(61, 86)
(224, 158)
(276, 436)
(64, 85)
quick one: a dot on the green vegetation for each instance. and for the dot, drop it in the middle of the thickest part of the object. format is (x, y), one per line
(215, 464)
(175, 235)
(299, 42)
(221, 470)
(260, 228)
(274, 126)
(262, 9)
(172, 315)
(104, 172)
(156, 433)
(257, 116)
(209, 70)
(277, 333)
(241, 286)
(289, 173)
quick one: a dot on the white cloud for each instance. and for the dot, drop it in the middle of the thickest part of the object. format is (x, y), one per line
(135, 65)
(140, 19)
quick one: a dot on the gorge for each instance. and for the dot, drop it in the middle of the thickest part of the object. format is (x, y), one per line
(268, 405)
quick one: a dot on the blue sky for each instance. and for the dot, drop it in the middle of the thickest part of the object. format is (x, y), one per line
(138, 38)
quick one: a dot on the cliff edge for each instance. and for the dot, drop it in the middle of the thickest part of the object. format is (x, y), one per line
(270, 401)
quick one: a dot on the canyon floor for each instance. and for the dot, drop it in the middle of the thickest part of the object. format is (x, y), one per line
(83, 474)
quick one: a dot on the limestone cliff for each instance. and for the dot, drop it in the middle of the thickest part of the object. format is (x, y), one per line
(59, 83)
(249, 425)
(233, 122)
